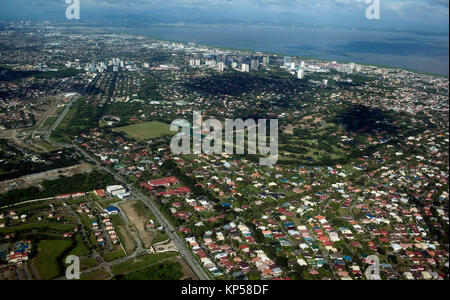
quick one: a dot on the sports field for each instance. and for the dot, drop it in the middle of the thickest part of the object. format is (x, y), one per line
(48, 254)
(146, 130)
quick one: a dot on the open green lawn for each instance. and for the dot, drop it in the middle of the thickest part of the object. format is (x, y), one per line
(142, 210)
(160, 236)
(146, 130)
(110, 256)
(46, 146)
(98, 275)
(49, 252)
(79, 249)
(48, 121)
(44, 227)
(162, 271)
(141, 262)
(88, 263)
(126, 239)
(107, 202)
(87, 223)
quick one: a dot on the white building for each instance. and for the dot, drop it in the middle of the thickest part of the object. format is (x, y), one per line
(300, 74)
(124, 195)
(210, 63)
(115, 190)
(221, 66)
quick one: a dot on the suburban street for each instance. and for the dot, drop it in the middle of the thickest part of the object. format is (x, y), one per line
(179, 243)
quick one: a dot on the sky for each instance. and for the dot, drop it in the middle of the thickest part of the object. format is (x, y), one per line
(415, 15)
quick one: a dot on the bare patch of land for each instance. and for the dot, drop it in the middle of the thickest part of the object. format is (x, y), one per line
(128, 241)
(35, 179)
(289, 129)
(187, 271)
(138, 220)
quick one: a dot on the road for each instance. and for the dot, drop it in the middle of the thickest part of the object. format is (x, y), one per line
(179, 243)
(45, 133)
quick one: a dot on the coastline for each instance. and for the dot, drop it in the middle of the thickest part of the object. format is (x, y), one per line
(137, 31)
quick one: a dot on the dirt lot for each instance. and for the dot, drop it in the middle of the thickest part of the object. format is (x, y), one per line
(289, 129)
(187, 271)
(139, 222)
(34, 179)
(128, 241)
(315, 119)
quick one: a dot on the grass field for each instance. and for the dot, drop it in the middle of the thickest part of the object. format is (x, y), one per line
(126, 239)
(45, 146)
(79, 249)
(160, 236)
(146, 130)
(45, 227)
(141, 262)
(162, 271)
(110, 256)
(142, 211)
(98, 275)
(107, 202)
(46, 261)
(88, 263)
(48, 121)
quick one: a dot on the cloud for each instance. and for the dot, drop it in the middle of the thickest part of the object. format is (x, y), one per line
(439, 2)
(394, 13)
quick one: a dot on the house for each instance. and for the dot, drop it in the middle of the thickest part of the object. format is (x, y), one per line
(18, 257)
(100, 193)
(176, 191)
(408, 275)
(165, 182)
(112, 210)
(78, 195)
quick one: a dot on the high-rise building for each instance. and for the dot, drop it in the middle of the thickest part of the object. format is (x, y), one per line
(221, 66)
(351, 67)
(245, 68)
(266, 62)
(287, 61)
(255, 64)
(210, 62)
(300, 74)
